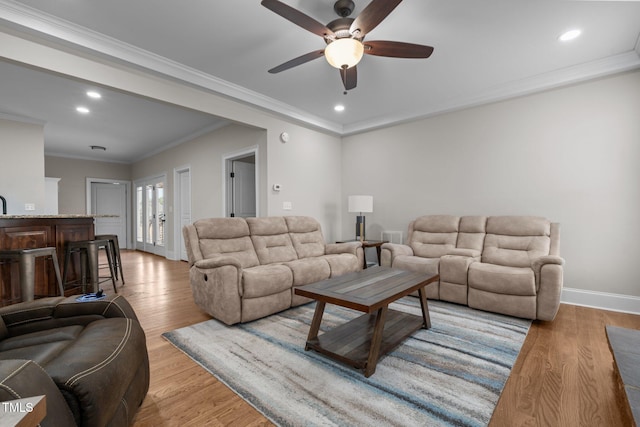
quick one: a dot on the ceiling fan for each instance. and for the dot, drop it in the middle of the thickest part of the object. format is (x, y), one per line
(345, 37)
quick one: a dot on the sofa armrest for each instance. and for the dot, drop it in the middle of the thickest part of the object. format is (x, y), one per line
(342, 248)
(471, 253)
(218, 261)
(540, 262)
(548, 272)
(389, 251)
(216, 285)
(25, 378)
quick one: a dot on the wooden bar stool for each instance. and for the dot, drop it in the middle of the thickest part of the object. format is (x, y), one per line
(88, 250)
(26, 259)
(115, 252)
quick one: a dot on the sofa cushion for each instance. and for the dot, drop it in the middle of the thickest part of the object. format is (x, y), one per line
(305, 271)
(48, 336)
(256, 308)
(503, 280)
(433, 236)
(428, 266)
(306, 236)
(516, 241)
(518, 225)
(471, 232)
(40, 353)
(309, 270)
(342, 263)
(271, 240)
(415, 263)
(228, 236)
(265, 280)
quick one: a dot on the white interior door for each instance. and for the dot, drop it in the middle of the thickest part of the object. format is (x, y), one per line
(150, 216)
(184, 207)
(243, 188)
(110, 199)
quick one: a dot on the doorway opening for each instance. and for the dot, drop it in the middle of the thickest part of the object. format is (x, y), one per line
(110, 201)
(241, 184)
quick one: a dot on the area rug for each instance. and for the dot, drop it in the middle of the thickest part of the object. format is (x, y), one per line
(449, 375)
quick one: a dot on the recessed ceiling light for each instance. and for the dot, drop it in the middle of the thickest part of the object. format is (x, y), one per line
(93, 94)
(339, 108)
(82, 110)
(569, 35)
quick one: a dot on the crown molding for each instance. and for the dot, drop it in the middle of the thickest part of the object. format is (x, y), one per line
(186, 138)
(22, 119)
(611, 65)
(75, 35)
(88, 158)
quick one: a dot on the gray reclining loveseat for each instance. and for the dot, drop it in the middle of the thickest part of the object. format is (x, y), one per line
(504, 264)
(244, 269)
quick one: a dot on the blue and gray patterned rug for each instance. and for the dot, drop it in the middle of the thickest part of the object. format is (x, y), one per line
(449, 375)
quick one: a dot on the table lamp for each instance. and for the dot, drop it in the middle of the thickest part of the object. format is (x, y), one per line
(360, 204)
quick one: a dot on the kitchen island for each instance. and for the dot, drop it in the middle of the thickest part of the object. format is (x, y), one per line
(39, 231)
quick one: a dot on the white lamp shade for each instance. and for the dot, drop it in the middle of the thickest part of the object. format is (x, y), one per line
(345, 52)
(360, 203)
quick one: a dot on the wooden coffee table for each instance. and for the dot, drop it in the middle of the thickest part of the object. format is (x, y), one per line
(362, 341)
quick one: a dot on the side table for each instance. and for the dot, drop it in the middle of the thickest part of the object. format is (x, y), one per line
(369, 244)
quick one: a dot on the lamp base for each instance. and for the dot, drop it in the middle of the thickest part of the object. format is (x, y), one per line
(360, 226)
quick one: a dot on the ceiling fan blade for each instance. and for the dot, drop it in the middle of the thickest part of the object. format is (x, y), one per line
(397, 49)
(349, 77)
(298, 61)
(298, 18)
(372, 15)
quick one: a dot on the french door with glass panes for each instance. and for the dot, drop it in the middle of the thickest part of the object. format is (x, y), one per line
(150, 215)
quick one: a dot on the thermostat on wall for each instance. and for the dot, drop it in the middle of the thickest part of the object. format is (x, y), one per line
(284, 137)
(276, 187)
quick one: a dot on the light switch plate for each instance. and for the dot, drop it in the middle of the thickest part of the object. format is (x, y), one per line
(29, 207)
(287, 206)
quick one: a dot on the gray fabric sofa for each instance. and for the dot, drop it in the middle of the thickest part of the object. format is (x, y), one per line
(244, 269)
(504, 264)
(88, 358)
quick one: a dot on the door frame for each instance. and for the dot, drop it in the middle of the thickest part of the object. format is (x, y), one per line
(129, 240)
(143, 181)
(177, 212)
(227, 159)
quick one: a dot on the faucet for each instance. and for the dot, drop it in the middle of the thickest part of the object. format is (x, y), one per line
(4, 205)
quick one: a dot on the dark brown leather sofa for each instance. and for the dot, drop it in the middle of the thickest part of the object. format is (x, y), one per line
(89, 359)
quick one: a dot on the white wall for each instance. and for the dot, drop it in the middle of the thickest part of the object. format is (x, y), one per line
(72, 188)
(308, 169)
(570, 154)
(22, 166)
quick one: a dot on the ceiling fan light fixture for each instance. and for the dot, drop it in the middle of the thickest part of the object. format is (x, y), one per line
(345, 52)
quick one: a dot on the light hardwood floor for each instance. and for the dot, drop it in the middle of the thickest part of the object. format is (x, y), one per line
(563, 376)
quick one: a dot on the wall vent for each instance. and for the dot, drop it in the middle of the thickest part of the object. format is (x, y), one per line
(392, 236)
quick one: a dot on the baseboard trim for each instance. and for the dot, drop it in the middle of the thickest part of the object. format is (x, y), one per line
(603, 300)
(171, 255)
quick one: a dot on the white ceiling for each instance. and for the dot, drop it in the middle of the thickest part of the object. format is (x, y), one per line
(484, 51)
(130, 127)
